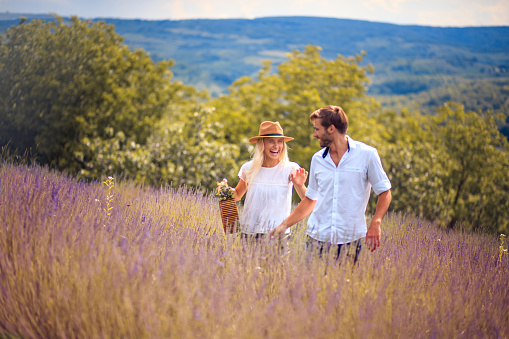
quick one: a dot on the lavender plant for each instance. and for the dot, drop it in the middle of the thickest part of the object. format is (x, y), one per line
(162, 267)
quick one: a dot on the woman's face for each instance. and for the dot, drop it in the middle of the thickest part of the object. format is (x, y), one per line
(273, 147)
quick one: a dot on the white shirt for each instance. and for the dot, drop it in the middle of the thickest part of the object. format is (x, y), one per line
(342, 192)
(268, 199)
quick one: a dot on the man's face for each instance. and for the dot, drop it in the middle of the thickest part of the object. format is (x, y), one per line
(324, 137)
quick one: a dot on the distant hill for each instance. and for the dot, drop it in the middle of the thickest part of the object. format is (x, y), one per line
(211, 54)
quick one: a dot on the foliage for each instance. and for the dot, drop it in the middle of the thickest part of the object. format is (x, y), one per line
(473, 95)
(192, 151)
(185, 150)
(411, 162)
(160, 267)
(302, 84)
(451, 168)
(477, 184)
(74, 91)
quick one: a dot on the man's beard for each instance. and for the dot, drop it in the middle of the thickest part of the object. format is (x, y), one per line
(325, 141)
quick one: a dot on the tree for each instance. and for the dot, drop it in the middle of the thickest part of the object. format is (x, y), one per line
(451, 168)
(72, 88)
(477, 183)
(304, 83)
(193, 152)
(411, 159)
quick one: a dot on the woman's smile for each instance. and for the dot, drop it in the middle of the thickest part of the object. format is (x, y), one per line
(274, 152)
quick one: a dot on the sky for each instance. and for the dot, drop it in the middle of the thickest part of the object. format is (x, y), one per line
(456, 13)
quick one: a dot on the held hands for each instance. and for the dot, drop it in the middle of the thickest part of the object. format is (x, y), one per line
(299, 177)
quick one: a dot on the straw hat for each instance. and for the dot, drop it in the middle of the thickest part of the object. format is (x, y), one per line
(269, 129)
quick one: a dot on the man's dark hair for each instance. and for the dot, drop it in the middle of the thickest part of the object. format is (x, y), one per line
(331, 115)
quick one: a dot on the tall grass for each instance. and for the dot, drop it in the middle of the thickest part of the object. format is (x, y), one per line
(158, 265)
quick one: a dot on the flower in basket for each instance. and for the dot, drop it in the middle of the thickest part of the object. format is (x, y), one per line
(223, 191)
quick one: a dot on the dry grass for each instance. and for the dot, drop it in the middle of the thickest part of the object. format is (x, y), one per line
(157, 265)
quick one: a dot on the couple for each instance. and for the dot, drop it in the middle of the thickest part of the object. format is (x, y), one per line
(340, 179)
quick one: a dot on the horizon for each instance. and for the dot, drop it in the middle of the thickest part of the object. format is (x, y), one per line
(432, 13)
(37, 15)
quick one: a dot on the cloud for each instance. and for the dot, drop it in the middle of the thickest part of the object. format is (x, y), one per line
(175, 7)
(392, 6)
(498, 12)
(467, 13)
(459, 17)
(185, 9)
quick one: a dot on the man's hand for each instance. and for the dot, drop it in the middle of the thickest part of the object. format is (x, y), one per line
(373, 235)
(300, 212)
(279, 231)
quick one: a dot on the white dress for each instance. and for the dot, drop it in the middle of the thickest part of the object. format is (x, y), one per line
(268, 199)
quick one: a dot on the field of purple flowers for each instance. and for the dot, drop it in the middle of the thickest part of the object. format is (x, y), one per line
(81, 260)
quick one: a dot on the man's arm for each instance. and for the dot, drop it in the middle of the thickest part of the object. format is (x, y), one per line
(374, 231)
(300, 212)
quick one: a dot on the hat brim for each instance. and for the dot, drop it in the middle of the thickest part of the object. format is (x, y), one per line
(255, 139)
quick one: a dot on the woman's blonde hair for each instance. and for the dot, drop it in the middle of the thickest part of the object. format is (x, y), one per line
(259, 157)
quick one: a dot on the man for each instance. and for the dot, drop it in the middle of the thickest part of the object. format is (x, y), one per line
(340, 180)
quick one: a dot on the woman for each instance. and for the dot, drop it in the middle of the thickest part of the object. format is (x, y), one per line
(268, 180)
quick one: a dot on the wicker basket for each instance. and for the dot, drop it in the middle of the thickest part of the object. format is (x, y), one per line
(229, 216)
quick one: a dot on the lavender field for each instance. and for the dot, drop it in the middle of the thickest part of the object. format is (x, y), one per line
(81, 260)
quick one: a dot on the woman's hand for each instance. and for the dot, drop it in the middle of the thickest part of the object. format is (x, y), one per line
(299, 177)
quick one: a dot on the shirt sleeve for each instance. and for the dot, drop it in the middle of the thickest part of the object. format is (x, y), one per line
(293, 168)
(243, 172)
(312, 189)
(376, 174)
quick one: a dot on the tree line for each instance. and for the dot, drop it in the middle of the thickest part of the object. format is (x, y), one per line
(73, 92)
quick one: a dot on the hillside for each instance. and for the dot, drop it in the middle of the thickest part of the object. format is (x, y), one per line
(407, 59)
(211, 54)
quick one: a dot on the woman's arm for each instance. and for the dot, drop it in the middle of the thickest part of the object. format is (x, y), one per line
(240, 190)
(299, 178)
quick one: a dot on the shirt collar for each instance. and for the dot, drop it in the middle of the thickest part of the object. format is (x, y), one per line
(351, 143)
(324, 154)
